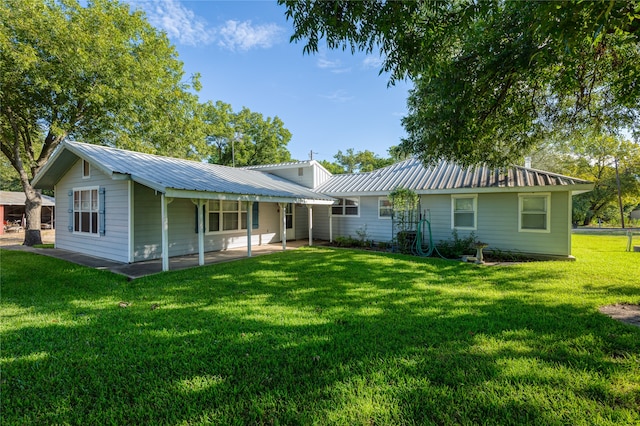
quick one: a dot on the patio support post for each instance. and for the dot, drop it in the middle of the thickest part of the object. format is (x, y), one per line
(310, 208)
(200, 232)
(283, 221)
(165, 232)
(330, 225)
(249, 226)
(131, 222)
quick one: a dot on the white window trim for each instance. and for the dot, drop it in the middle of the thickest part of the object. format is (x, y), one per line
(73, 223)
(228, 231)
(344, 207)
(87, 176)
(454, 197)
(379, 215)
(521, 198)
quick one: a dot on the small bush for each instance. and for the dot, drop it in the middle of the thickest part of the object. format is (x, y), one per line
(497, 255)
(406, 241)
(348, 241)
(383, 245)
(362, 234)
(458, 246)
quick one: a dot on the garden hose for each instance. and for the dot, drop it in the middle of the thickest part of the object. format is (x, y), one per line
(417, 247)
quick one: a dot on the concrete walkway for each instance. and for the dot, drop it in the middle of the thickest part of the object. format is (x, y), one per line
(150, 267)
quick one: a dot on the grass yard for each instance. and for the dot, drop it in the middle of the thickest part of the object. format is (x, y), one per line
(323, 336)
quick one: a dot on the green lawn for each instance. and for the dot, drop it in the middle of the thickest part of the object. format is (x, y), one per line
(323, 336)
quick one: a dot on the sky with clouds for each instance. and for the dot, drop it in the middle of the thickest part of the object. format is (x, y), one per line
(330, 101)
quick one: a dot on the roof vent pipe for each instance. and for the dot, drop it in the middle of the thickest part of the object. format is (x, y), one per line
(527, 162)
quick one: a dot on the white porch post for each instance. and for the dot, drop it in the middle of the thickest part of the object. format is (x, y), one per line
(330, 225)
(200, 205)
(249, 226)
(131, 219)
(310, 208)
(165, 232)
(283, 221)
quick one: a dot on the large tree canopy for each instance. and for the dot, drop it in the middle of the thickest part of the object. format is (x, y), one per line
(244, 138)
(357, 162)
(100, 73)
(493, 78)
(611, 163)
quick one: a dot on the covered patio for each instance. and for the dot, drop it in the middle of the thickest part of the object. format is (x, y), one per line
(151, 267)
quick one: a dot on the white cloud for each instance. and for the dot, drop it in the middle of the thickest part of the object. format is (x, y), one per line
(325, 63)
(183, 26)
(179, 22)
(333, 66)
(236, 35)
(372, 62)
(338, 96)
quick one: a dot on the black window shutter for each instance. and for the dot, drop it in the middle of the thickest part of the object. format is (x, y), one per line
(70, 227)
(101, 212)
(254, 215)
(196, 225)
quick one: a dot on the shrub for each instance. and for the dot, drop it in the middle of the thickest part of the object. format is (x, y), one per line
(362, 234)
(383, 245)
(458, 246)
(348, 241)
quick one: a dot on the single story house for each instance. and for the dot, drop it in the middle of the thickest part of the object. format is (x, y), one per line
(129, 206)
(12, 211)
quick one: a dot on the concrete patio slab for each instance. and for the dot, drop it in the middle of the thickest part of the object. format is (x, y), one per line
(150, 267)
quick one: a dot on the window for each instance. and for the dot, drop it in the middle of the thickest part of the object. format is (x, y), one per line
(85, 210)
(534, 212)
(385, 209)
(463, 211)
(214, 216)
(86, 169)
(300, 171)
(346, 207)
(225, 215)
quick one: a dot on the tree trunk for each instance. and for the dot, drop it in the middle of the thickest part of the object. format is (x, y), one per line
(33, 208)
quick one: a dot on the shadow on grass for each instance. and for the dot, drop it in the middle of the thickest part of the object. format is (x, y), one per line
(311, 336)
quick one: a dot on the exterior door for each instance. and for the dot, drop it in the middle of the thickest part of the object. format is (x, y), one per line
(290, 219)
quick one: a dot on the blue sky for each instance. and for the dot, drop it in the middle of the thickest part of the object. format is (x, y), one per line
(330, 101)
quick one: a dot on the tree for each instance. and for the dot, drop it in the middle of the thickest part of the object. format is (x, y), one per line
(333, 168)
(9, 178)
(100, 73)
(260, 140)
(245, 138)
(595, 158)
(218, 118)
(356, 162)
(492, 79)
(398, 153)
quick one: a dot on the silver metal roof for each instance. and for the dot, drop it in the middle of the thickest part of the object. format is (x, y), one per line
(169, 175)
(285, 165)
(9, 198)
(446, 177)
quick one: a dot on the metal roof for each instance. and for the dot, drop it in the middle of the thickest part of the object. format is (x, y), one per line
(286, 165)
(9, 198)
(447, 177)
(166, 174)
